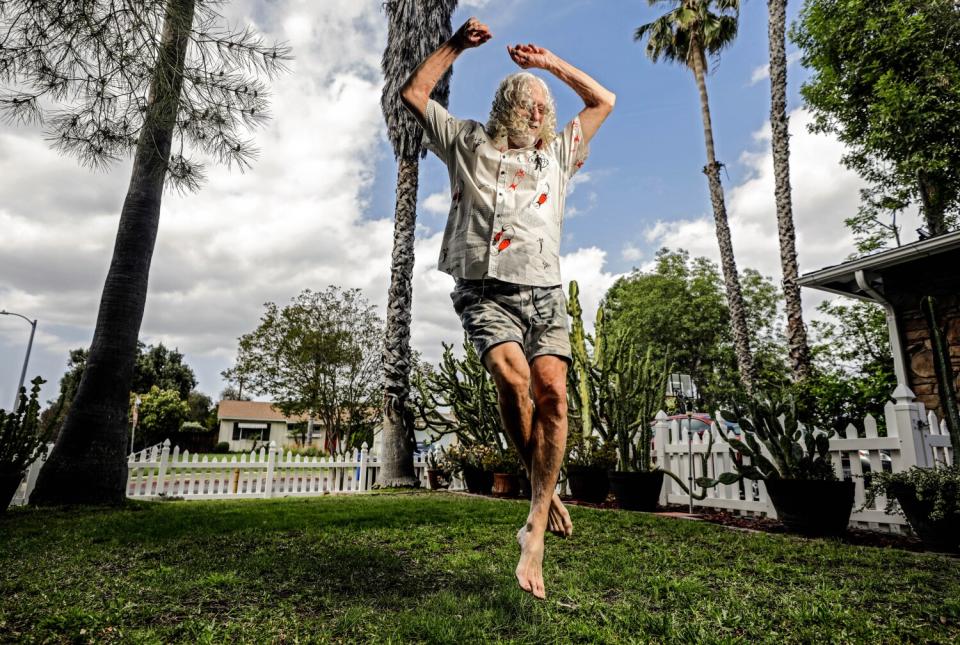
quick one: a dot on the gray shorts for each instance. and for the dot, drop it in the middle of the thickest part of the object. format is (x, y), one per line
(494, 312)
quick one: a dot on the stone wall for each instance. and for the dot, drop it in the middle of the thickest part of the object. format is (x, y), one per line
(905, 287)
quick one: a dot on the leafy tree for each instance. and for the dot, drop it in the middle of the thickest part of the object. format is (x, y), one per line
(415, 29)
(853, 367)
(156, 79)
(201, 410)
(686, 35)
(886, 81)
(232, 393)
(164, 368)
(155, 366)
(161, 414)
(780, 144)
(678, 310)
(319, 356)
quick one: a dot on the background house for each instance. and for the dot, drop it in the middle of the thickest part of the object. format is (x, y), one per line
(246, 424)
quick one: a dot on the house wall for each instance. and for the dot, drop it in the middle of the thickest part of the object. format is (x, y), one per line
(278, 433)
(940, 278)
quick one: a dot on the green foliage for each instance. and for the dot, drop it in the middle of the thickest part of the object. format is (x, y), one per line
(21, 438)
(614, 393)
(202, 410)
(939, 487)
(222, 447)
(161, 414)
(477, 456)
(155, 366)
(319, 356)
(852, 372)
(886, 81)
(590, 452)
(692, 28)
(771, 427)
(193, 426)
(464, 389)
(679, 310)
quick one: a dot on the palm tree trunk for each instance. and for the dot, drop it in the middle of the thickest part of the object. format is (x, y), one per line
(796, 331)
(731, 279)
(398, 442)
(88, 464)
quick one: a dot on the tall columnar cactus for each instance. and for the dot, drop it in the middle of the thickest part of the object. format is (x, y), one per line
(580, 372)
(463, 387)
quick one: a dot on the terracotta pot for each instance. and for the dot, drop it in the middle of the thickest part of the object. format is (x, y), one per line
(942, 535)
(506, 484)
(636, 491)
(588, 484)
(812, 507)
(438, 479)
(9, 483)
(479, 482)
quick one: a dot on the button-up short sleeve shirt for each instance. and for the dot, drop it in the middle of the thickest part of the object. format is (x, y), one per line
(506, 211)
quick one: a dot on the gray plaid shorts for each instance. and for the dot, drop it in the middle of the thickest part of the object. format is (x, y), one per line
(494, 312)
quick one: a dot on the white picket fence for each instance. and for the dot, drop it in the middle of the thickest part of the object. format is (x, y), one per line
(914, 438)
(161, 471)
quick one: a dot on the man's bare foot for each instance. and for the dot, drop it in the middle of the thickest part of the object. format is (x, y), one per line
(530, 568)
(558, 521)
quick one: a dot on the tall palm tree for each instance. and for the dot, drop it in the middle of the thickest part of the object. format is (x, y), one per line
(780, 126)
(685, 35)
(139, 92)
(415, 29)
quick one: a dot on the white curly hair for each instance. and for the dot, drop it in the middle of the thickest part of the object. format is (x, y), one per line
(515, 92)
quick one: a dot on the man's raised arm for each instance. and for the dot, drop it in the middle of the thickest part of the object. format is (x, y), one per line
(416, 91)
(597, 99)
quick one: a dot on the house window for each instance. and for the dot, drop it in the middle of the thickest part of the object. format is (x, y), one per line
(251, 431)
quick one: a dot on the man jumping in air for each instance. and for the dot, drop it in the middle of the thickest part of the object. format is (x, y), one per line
(508, 182)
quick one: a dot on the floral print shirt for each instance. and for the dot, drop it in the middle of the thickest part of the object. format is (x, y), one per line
(506, 211)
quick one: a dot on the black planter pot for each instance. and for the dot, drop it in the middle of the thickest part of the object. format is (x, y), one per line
(812, 507)
(588, 484)
(9, 483)
(636, 491)
(941, 535)
(479, 482)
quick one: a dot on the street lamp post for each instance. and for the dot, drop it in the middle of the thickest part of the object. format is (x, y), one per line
(26, 360)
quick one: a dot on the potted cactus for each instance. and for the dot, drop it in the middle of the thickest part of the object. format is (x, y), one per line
(438, 470)
(631, 392)
(794, 464)
(588, 461)
(505, 465)
(21, 442)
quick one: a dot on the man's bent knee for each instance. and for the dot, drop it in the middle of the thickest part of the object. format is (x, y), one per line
(510, 372)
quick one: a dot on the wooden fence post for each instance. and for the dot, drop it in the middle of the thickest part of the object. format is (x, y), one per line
(162, 471)
(364, 451)
(271, 468)
(660, 431)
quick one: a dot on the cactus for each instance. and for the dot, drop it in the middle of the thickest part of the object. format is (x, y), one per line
(794, 451)
(580, 377)
(465, 388)
(21, 438)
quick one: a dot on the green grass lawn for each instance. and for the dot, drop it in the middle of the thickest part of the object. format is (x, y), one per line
(439, 568)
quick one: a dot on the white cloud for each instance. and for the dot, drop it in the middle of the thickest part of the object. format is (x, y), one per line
(762, 72)
(631, 252)
(437, 203)
(824, 193)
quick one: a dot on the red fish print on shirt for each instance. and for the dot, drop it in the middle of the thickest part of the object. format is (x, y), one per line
(517, 176)
(542, 197)
(501, 241)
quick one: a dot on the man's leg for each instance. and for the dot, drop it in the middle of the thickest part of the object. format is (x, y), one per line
(511, 374)
(549, 436)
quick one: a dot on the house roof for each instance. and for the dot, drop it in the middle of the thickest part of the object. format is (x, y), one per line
(253, 411)
(842, 278)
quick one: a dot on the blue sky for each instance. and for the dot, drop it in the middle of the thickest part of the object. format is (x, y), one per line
(317, 207)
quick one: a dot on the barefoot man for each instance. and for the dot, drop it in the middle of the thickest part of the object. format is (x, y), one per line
(508, 180)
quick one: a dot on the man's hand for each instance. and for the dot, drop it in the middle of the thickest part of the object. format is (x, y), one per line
(472, 33)
(529, 55)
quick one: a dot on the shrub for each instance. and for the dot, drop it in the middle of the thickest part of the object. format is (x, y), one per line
(222, 447)
(21, 441)
(940, 487)
(589, 452)
(193, 426)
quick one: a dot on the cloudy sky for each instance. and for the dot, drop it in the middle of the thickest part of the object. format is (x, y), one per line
(317, 207)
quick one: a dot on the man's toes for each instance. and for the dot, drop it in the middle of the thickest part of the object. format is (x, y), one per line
(524, 583)
(539, 591)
